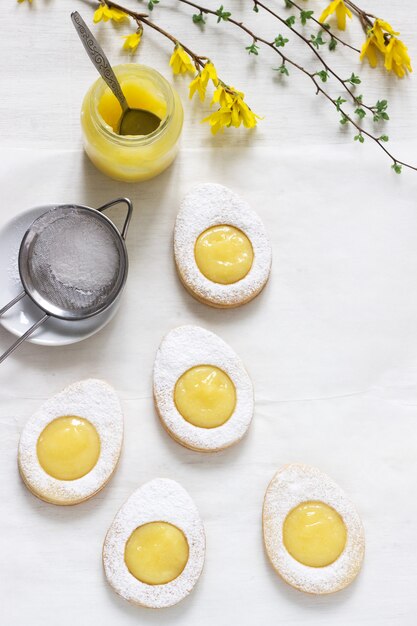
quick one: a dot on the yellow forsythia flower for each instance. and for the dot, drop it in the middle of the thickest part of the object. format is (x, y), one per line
(370, 51)
(210, 73)
(197, 85)
(219, 120)
(233, 111)
(132, 41)
(105, 13)
(397, 58)
(30, 1)
(200, 82)
(341, 10)
(180, 61)
(382, 39)
(224, 96)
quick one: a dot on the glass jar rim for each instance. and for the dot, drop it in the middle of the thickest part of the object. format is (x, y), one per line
(135, 140)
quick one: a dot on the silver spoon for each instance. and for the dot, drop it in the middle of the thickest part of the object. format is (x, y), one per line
(132, 121)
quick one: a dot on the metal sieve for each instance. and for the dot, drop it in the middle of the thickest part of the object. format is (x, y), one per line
(72, 263)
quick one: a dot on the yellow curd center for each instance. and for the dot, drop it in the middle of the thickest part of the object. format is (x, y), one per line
(137, 96)
(205, 396)
(156, 553)
(223, 254)
(314, 534)
(68, 448)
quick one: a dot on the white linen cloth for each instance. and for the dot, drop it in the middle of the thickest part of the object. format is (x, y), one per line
(331, 346)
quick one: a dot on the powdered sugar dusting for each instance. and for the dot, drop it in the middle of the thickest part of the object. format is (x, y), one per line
(189, 346)
(292, 485)
(159, 500)
(95, 401)
(210, 205)
(77, 251)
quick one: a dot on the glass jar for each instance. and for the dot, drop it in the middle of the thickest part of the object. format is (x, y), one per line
(132, 157)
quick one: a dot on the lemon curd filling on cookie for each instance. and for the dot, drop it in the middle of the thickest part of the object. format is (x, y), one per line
(224, 254)
(68, 448)
(205, 396)
(314, 534)
(156, 553)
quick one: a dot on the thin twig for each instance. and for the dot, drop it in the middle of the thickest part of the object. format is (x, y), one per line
(140, 18)
(313, 49)
(200, 60)
(328, 30)
(364, 16)
(311, 75)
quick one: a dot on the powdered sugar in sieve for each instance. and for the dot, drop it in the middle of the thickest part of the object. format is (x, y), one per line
(74, 259)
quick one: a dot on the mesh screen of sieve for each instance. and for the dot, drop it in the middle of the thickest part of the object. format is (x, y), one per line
(74, 261)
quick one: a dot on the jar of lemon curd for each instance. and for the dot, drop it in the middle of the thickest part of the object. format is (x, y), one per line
(132, 157)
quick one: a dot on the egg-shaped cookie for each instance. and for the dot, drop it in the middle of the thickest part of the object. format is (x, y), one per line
(222, 252)
(203, 393)
(69, 448)
(154, 550)
(313, 534)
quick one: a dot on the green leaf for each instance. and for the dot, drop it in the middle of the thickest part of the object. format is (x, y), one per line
(280, 41)
(380, 111)
(288, 4)
(304, 16)
(332, 44)
(381, 105)
(359, 137)
(282, 69)
(397, 167)
(222, 14)
(343, 120)
(353, 79)
(339, 102)
(317, 40)
(290, 21)
(360, 112)
(323, 75)
(255, 8)
(384, 138)
(198, 18)
(253, 49)
(379, 117)
(151, 4)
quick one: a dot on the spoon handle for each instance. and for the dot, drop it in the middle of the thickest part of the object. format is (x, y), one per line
(99, 59)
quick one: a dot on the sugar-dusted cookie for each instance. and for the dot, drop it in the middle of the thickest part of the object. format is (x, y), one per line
(222, 252)
(202, 392)
(313, 534)
(153, 553)
(70, 447)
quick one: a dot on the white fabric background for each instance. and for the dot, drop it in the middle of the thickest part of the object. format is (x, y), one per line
(331, 344)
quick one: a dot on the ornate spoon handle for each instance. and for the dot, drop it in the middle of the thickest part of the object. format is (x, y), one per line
(99, 59)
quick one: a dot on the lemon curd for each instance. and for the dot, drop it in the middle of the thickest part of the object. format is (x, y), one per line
(156, 553)
(132, 158)
(205, 396)
(314, 534)
(68, 448)
(224, 254)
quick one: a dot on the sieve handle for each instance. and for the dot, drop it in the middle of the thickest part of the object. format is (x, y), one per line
(23, 338)
(129, 205)
(12, 303)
